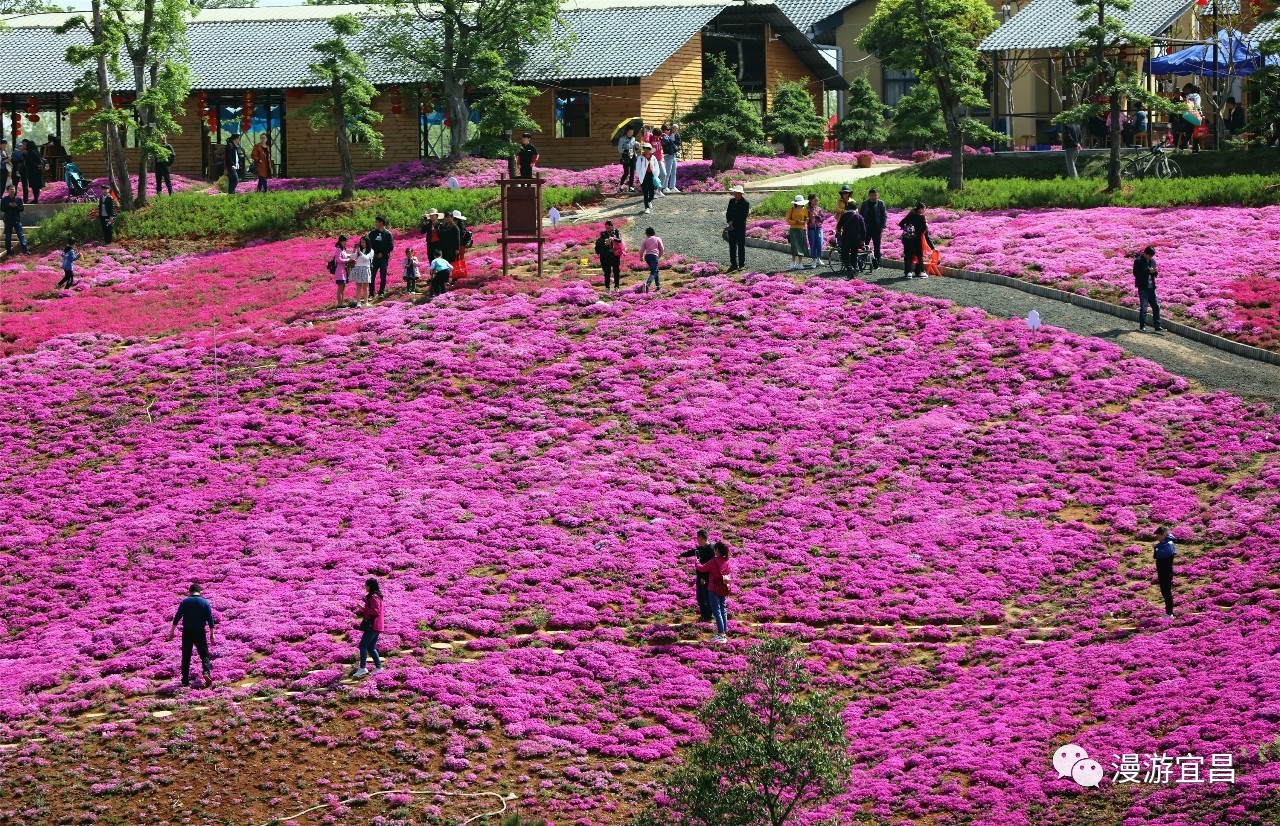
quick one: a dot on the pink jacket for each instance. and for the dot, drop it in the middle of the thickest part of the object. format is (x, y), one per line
(718, 568)
(372, 610)
(652, 244)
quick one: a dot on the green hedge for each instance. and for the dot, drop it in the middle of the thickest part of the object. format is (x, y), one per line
(1049, 165)
(258, 215)
(901, 190)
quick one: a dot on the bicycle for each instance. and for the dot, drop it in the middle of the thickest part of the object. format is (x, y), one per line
(1153, 161)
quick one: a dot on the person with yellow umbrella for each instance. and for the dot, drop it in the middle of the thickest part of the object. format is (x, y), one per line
(624, 137)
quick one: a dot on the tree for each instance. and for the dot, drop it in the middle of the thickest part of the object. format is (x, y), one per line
(722, 119)
(345, 105)
(92, 93)
(937, 40)
(1266, 80)
(776, 747)
(918, 120)
(1101, 46)
(864, 115)
(439, 40)
(792, 118)
(503, 107)
(9, 8)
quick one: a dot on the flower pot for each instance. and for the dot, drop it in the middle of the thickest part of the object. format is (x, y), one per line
(865, 160)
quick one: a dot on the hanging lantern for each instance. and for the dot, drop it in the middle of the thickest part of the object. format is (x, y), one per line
(33, 102)
(34, 118)
(397, 109)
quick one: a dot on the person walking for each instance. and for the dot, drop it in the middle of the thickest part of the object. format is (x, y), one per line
(609, 249)
(629, 148)
(371, 624)
(651, 250)
(261, 162)
(441, 269)
(875, 217)
(703, 552)
(717, 570)
(69, 259)
(915, 231)
(1165, 551)
(647, 171)
(194, 612)
(654, 139)
(34, 171)
(163, 162)
(527, 156)
(232, 162)
(360, 276)
(18, 167)
(797, 221)
(1072, 137)
(107, 214)
(11, 208)
(735, 217)
(1144, 281)
(851, 236)
(381, 243)
(813, 227)
(431, 232)
(411, 269)
(339, 265)
(670, 145)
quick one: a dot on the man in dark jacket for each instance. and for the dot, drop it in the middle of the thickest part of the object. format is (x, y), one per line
(11, 208)
(381, 243)
(1144, 281)
(33, 177)
(1233, 118)
(851, 236)
(703, 553)
(735, 216)
(1072, 137)
(450, 238)
(164, 159)
(609, 262)
(1164, 554)
(876, 218)
(107, 215)
(232, 163)
(527, 156)
(194, 613)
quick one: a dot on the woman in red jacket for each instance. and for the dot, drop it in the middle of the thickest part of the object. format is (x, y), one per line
(370, 614)
(718, 588)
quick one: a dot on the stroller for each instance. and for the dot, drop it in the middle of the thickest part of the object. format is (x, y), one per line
(77, 190)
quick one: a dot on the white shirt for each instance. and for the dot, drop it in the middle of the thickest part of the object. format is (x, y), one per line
(643, 164)
(364, 259)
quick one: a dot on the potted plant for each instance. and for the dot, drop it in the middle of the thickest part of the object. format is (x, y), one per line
(865, 159)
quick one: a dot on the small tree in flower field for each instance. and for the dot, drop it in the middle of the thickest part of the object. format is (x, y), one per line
(775, 748)
(792, 118)
(864, 116)
(345, 106)
(722, 119)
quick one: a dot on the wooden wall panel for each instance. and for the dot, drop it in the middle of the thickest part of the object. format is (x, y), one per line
(677, 84)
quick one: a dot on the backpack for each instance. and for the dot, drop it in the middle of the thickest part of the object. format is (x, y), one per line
(618, 247)
(333, 264)
(466, 239)
(600, 247)
(909, 232)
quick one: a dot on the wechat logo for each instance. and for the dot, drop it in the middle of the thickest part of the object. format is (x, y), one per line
(1074, 762)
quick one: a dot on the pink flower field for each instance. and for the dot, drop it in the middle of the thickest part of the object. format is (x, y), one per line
(951, 513)
(1219, 266)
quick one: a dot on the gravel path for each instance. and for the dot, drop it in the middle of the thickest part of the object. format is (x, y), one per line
(690, 225)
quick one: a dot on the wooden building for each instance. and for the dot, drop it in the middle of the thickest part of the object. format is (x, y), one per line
(626, 58)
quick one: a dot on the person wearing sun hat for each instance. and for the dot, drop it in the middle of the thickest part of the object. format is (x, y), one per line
(648, 173)
(842, 202)
(431, 232)
(464, 244)
(736, 230)
(797, 218)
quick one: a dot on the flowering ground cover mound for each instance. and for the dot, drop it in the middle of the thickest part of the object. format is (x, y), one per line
(55, 192)
(1219, 266)
(948, 511)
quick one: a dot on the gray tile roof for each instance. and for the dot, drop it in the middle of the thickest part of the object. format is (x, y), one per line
(608, 42)
(1262, 31)
(1052, 24)
(804, 13)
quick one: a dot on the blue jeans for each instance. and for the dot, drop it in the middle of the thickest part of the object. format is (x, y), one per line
(369, 645)
(9, 228)
(1147, 297)
(718, 611)
(232, 179)
(815, 243)
(652, 260)
(669, 171)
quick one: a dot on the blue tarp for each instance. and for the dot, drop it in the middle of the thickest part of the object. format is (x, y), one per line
(1235, 59)
(230, 117)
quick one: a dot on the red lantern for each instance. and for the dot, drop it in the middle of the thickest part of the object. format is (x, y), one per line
(33, 102)
(397, 109)
(34, 118)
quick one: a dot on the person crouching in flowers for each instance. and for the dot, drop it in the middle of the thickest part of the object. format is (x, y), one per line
(370, 614)
(718, 589)
(338, 265)
(411, 271)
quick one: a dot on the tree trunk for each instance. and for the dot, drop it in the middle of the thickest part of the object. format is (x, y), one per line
(951, 117)
(1113, 167)
(455, 97)
(344, 143)
(144, 132)
(112, 147)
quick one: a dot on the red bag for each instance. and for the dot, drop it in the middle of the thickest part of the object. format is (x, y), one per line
(1200, 132)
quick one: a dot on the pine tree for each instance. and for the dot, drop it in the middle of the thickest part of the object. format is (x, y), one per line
(792, 118)
(345, 106)
(864, 116)
(503, 107)
(918, 120)
(723, 120)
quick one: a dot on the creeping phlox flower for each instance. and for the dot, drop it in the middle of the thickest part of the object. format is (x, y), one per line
(520, 469)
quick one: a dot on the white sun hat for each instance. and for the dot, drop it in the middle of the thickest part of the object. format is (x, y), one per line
(459, 216)
(798, 201)
(736, 188)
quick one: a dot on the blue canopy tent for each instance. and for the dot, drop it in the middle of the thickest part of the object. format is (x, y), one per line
(1235, 58)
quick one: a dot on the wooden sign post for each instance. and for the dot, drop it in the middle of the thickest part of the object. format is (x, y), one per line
(521, 215)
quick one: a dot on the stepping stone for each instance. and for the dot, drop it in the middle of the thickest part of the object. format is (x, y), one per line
(442, 646)
(95, 715)
(197, 708)
(1033, 642)
(8, 746)
(160, 715)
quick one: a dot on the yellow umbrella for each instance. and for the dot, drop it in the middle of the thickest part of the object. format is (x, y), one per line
(629, 123)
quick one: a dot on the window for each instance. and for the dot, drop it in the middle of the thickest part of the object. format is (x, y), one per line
(573, 114)
(896, 86)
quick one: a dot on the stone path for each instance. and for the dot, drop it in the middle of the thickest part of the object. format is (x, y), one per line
(690, 225)
(821, 175)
